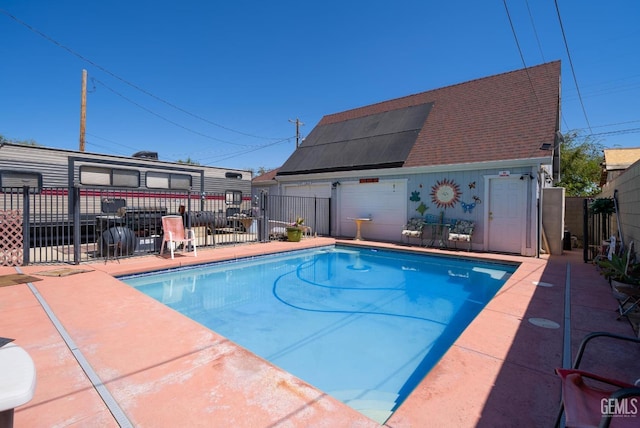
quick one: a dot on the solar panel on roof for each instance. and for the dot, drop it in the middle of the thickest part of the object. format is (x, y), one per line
(381, 140)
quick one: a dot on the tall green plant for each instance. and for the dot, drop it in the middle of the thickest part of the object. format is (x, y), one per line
(602, 206)
(580, 170)
(617, 269)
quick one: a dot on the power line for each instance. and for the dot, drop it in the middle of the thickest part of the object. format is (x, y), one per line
(244, 152)
(535, 32)
(619, 132)
(513, 30)
(108, 148)
(573, 72)
(618, 123)
(218, 158)
(610, 90)
(615, 132)
(111, 142)
(93, 79)
(136, 87)
(249, 148)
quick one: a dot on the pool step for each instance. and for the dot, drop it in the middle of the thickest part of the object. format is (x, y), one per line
(375, 404)
(373, 409)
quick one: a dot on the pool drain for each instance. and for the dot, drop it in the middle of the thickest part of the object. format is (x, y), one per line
(542, 284)
(544, 323)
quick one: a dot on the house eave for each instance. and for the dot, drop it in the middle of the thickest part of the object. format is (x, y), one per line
(427, 169)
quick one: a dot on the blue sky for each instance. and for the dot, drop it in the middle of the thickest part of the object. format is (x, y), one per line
(220, 82)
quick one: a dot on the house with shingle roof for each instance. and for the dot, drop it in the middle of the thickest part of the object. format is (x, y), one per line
(616, 161)
(266, 180)
(481, 151)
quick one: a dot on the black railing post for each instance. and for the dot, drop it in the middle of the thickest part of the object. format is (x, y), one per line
(315, 215)
(585, 230)
(264, 224)
(188, 215)
(74, 192)
(26, 227)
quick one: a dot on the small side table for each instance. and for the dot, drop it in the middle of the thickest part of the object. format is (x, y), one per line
(17, 381)
(358, 226)
(437, 234)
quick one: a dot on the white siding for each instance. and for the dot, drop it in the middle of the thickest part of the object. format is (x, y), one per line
(385, 202)
(318, 190)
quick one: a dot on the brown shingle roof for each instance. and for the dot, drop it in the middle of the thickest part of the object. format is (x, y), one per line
(266, 177)
(502, 117)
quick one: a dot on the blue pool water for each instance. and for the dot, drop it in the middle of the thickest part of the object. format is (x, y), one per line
(362, 325)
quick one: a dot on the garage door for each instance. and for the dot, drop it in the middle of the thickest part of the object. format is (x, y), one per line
(384, 201)
(321, 190)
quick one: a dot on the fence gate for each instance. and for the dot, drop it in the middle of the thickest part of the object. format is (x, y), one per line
(597, 228)
(11, 249)
(283, 210)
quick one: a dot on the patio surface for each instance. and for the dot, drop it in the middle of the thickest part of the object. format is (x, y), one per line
(162, 369)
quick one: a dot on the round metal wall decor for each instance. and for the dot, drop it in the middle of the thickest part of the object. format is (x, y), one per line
(445, 193)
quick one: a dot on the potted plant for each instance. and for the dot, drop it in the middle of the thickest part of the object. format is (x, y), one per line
(622, 271)
(294, 232)
(602, 206)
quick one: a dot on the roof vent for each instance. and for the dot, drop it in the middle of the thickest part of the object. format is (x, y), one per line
(146, 155)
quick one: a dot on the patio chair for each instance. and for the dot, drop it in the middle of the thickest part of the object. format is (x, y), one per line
(628, 297)
(627, 294)
(278, 229)
(414, 229)
(174, 234)
(606, 250)
(462, 231)
(589, 399)
(611, 247)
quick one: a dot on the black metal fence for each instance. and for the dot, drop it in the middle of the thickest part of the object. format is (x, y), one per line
(74, 225)
(281, 211)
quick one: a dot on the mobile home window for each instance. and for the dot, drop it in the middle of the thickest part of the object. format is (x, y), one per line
(180, 181)
(100, 176)
(164, 180)
(126, 178)
(21, 179)
(234, 175)
(233, 197)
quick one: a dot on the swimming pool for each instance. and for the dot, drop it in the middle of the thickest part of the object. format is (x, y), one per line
(363, 325)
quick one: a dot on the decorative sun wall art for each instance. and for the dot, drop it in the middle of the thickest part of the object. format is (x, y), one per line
(445, 193)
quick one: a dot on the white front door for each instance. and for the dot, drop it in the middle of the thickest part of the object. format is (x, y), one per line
(506, 214)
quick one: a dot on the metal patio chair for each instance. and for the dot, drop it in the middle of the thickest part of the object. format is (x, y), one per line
(589, 399)
(462, 231)
(414, 229)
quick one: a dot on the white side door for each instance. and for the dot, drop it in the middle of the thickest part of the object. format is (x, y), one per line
(506, 214)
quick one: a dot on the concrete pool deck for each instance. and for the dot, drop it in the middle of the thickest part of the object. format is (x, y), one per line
(161, 369)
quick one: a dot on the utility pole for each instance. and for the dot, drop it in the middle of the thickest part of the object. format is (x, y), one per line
(83, 109)
(298, 124)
